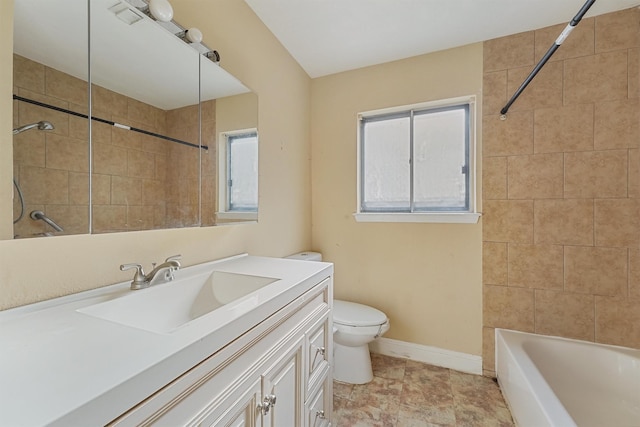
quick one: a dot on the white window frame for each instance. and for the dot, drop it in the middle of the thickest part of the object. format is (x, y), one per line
(223, 212)
(469, 216)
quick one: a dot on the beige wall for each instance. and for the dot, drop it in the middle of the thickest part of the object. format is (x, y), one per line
(38, 269)
(426, 277)
(562, 184)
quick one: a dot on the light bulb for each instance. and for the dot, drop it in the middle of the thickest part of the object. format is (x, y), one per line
(161, 10)
(194, 35)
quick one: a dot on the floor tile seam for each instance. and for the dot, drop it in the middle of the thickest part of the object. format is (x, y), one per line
(389, 378)
(391, 414)
(478, 390)
(385, 379)
(459, 400)
(363, 386)
(478, 386)
(433, 392)
(458, 411)
(364, 405)
(465, 399)
(419, 408)
(428, 382)
(425, 399)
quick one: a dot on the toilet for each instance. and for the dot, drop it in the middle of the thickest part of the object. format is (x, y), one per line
(354, 327)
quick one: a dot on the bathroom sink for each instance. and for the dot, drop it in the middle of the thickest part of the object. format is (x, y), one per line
(167, 307)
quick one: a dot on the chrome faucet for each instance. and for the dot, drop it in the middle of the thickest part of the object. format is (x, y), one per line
(141, 280)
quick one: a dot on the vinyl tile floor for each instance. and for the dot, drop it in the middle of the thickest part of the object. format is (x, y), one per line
(405, 393)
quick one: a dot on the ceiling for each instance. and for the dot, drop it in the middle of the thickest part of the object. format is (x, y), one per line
(330, 36)
(54, 33)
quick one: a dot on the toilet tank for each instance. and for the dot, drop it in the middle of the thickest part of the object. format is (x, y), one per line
(306, 256)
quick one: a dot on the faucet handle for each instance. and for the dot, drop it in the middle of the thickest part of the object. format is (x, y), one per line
(124, 267)
(174, 258)
(139, 278)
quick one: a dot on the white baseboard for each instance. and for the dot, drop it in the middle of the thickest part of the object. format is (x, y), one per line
(432, 355)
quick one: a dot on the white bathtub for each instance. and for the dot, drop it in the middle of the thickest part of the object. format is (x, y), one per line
(550, 381)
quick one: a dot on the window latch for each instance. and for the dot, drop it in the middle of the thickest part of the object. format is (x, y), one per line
(465, 169)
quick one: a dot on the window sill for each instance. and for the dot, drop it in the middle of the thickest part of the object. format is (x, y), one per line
(440, 217)
(250, 216)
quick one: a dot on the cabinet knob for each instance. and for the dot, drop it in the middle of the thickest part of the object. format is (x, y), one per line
(267, 403)
(320, 351)
(323, 420)
(271, 398)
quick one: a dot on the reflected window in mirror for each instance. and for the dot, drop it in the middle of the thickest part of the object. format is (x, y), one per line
(238, 195)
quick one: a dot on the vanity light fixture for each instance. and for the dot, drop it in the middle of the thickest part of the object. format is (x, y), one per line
(158, 10)
(213, 55)
(161, 10)
(192, 35)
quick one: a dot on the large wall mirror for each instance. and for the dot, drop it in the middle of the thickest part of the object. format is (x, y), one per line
(172, 140)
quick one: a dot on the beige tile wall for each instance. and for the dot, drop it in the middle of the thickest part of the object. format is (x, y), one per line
(140, 182)
(561, 224)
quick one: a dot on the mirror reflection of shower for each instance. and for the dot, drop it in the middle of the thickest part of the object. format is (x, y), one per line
(39, 215)
(35, 215)
(43, 125)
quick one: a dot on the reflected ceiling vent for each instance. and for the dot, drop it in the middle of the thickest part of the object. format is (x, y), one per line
(125, 14)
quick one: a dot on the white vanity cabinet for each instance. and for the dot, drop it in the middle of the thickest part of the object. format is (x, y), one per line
(277, 374)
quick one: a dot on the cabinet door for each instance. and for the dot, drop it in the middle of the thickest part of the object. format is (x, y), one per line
(282, 390)
(243, 412)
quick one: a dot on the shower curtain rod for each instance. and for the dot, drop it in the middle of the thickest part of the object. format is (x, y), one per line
(561, 38)
(109, 122)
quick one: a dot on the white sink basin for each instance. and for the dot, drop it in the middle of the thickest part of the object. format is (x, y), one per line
(165, 308)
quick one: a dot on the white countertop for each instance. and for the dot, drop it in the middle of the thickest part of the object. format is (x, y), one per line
(62, 367)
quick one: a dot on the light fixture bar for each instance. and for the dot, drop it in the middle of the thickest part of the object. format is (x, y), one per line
(161, 12)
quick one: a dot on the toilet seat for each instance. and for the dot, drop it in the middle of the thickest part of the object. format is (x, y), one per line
(359, 315)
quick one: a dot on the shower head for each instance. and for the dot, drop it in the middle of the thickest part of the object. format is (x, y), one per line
(43, 125)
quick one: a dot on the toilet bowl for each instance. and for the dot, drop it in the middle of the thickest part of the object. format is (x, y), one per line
(355, 326)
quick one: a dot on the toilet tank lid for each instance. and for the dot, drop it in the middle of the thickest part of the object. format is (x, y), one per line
(354, 314)
(307, 256)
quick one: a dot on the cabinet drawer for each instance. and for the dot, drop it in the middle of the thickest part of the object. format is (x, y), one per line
(318, 346)
(319, 406)
(318, 349)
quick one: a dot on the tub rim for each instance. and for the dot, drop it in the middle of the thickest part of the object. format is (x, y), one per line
(535, 385)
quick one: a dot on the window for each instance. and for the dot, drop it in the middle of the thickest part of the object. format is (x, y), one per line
(417, 160)
(238, 191)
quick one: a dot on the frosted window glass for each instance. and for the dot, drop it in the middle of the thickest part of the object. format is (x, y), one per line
(416, 160)
(439, 160)
(386, 168)
(243, 172)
